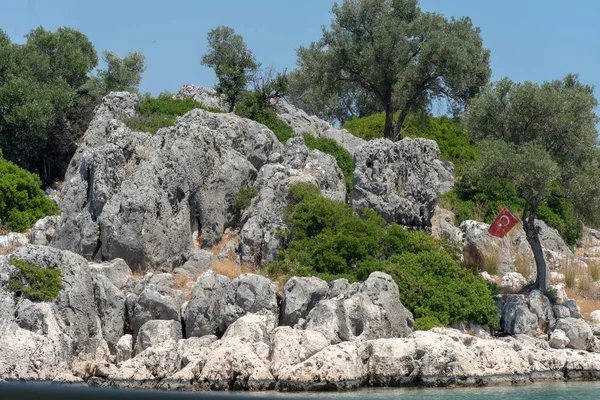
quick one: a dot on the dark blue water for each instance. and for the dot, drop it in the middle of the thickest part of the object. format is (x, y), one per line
(545, 391)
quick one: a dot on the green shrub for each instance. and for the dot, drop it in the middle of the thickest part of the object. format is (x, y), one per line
(22, 201)
(254, 106)
(426, 323)
(244, 197)
(160, 112)
(328, 239)
(33, 282)
(343, 158)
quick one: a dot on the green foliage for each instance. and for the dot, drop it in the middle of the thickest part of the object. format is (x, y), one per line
(35, 283)
(122, 74)
(22, 202)
(343, 158)
(329, 240)
(244, 197)
(252, 105)
(454, 144)
(160, 112)
(232, 61)
(539, 137)
(48, 95)
(397, 55)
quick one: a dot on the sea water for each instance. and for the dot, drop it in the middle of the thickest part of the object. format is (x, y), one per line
(545, 391)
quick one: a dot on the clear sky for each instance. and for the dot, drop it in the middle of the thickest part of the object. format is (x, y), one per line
(529, 39)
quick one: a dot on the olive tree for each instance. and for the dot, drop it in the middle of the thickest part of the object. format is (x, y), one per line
(122, 74)
(233, 62)
(401, 56)
(535, 136)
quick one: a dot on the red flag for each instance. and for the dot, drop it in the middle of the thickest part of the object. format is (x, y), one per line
(504, 222)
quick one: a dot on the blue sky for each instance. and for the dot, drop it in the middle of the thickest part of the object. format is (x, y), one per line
(529, 39)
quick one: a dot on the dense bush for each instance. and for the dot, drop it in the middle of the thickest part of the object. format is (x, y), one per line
(35, 283)
(452, 141)
(22, 201)
(255, 106)
(328, 239)
(343, 158)
(160, 112)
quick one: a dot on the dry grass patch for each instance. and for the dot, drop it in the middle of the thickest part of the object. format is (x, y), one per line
(587, 302)
(490, 262)
(523, 264)
(231, 269)
(185, 283)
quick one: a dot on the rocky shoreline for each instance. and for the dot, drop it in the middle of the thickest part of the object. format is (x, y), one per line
(241, 334)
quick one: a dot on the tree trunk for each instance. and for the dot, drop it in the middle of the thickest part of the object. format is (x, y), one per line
(403, 114)
(389, 123)
(232, 104)
(533, 238)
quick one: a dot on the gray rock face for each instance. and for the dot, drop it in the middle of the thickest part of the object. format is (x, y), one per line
(399, 180)
(517, 317)
(203, 308)
(46, 340)
(558, 339)
(300, 295)
(338, 366)
(442, 227)
(259, 241)
(542, 308)
(292, 346)
(206, 96)
(11, 241)
(124, 349)
(75, 307)
(248, 294)
(371, 311)
(144, 198)
(234, 365)
(110, 304)
(44, 230)
(198, 261)
(117, 272)
(156, 303)
(573, 308)
(155, 333)
(482, 248)
(561, 312)
(302, 123)
(578, 332)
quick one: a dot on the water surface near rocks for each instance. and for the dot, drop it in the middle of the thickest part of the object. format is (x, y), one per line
(546, 391)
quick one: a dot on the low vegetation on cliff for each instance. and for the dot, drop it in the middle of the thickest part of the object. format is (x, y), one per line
(329, 240)
(34, 283)
(22, 201)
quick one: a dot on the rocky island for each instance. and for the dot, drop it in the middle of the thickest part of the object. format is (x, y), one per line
(143, 304)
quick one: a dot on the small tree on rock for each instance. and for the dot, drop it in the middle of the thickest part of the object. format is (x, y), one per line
(232, 61)
(536, 136)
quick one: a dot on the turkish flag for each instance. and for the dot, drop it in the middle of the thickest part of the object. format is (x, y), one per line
(504, 222)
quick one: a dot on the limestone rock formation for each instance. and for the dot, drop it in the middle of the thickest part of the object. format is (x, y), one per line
(144, 198)
(370, 310)
(442, 227)
(44, 230)
(302, 123)
(261, 221)
(399, 180)
(205, 96)
(300, 295)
